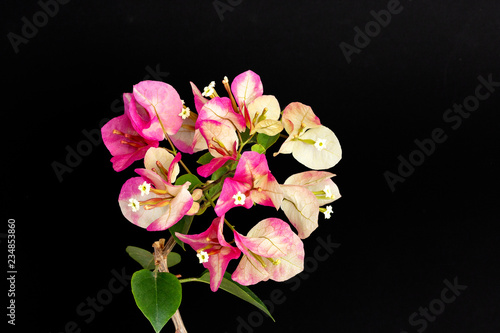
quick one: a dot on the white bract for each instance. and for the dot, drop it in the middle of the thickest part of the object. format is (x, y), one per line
(317, 159)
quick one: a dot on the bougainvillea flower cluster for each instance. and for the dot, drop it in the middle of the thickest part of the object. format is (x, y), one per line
(233, 135)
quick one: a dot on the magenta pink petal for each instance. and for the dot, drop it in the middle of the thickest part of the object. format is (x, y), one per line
(188, 139)
(220, 252)
(271, 251)
(143, 121)
(162, 102)
(199, 100)
(177, 208)
(124, 143)
(226, 200)
(246, 87)
(215, 164)
(220, 109)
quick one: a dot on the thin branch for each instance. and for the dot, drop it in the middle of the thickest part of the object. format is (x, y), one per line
(161, 252)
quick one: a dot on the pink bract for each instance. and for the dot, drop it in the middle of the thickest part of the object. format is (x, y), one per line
(153, 108)
(222, 144)
(124, 143)
(163, 210)
(271, 250)
(199, 100)
(220, 109)
(165, 204)
(188, 139)
(219, 251)
(246, 87)
(253, 179)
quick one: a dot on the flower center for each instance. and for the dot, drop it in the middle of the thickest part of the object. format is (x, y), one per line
(274, 261)
(220, 148)
(239, 198)
(327, 211)
(328, 192)
(320, 144)
(136, 141)
(209, 91)
(145, 188)
(202, 256)
(185, 113)
(134, 204)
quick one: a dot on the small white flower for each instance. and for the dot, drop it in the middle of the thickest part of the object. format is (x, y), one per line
(134, 204)
(209, 91)
(328, 192)
(328, 212)
(185, 113)
(239, 198)
(320, 144)
(203, 256)
(144, 188)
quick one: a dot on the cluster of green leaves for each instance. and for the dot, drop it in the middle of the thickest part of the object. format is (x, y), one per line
(158, 294)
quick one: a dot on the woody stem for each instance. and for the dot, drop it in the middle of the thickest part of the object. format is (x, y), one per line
(161, 252)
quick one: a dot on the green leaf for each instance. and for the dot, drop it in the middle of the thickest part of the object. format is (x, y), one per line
(173, 258)
(267, 141)
(216, 175)
(259, 148)
(158, 296)
(181, 227)
(219, 172)
(205, 158)
(143, 257)
(147, 260)
(236, 289)
(245, 135)
(188, 178)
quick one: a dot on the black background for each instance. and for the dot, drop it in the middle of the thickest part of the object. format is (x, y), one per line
(396, 248)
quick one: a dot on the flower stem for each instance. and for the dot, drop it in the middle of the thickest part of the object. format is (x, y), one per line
(188, 280)
(185, 167)
(244, 143)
